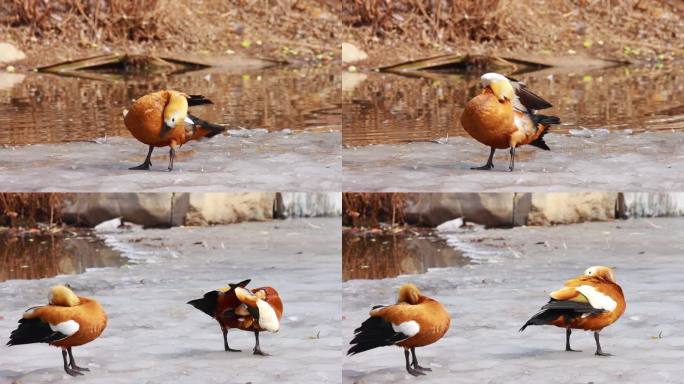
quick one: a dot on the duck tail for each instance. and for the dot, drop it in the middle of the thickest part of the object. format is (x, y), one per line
(543, 122)
(206, 304)
(32, 331)
(206, 129)
(373, 333)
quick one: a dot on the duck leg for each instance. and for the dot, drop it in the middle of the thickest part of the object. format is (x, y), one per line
(72, 363)
(599, 352)
(257, 348)
(172, 155)
(490, 162)
(414, 363)
(409, 369)
(147, 163)
(512, 163)
(69, 371)
(225, 341)
(567, 341)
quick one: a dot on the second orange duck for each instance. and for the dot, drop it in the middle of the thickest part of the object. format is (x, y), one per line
(161, 119)
(256, 311)
(414, 321)
(67, 321)
(505, 115)
(590, 302)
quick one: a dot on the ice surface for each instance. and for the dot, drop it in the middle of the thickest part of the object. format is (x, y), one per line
(489, 302)
(153, 336)
(269, 162)
(606, 162)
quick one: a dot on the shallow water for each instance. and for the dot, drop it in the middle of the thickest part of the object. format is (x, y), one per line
(46, 256)
(378, 257)
(391, 108)
(46, 108)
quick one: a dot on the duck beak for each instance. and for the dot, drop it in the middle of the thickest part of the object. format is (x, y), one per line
(165, 129)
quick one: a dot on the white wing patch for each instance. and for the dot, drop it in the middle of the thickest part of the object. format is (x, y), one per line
(597, 299)
(408, 328)
(188, 120)
(68, 327)
(267, 317)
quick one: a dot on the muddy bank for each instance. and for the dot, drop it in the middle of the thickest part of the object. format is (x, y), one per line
(518, 267)
(153, 335)
(604, 161)
(266, 161)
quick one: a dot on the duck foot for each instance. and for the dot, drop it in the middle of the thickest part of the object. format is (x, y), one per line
(145, 166)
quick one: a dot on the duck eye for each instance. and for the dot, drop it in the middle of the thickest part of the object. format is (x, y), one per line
(173, 119)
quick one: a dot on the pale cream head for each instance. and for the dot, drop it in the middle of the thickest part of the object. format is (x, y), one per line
(500, 86)
(601, 271)
(408, 293)
(63, 296)
(176, 109)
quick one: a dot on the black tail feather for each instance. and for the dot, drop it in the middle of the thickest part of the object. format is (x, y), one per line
(556, 308)
(546, 121)
(241, 284)
(34, 331)
(373, 333)
(214, 129)
(206, 304)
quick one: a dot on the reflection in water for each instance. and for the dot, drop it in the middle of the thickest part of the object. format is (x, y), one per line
(384, 256)
(46, 108)
(47, 256)
(389, 108)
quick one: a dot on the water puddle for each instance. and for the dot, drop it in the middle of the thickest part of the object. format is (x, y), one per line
(46, 108)
(378, 257)
(46, 256)
(391, 108)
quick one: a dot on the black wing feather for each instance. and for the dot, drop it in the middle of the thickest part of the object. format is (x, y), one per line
(34, 331)
(373, 333)
(555, 308)
(194, 100)
(529, 99)
(206, 304)
(214, 129)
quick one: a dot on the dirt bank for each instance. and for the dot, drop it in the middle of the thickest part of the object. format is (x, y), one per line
(624, 30)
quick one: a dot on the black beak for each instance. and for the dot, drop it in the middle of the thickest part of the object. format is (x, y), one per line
(254, 312)
(165, 129)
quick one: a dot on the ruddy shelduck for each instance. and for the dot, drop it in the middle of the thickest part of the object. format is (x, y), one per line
(257, 310)
(590, 302)
(504, 115)
(67, 321)
(161, 119)
(414, 321)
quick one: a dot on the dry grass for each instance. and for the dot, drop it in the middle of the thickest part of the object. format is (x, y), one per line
(632, 30)
(112, 21)
(371, 209)
(29, 209)
(447, 21)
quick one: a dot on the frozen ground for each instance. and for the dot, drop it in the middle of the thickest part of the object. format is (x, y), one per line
(271, 161)
(519, 267)
(153, 336)
(606, 161)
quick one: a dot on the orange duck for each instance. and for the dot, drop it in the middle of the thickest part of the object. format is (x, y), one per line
(505, 115)
(414, 321)
(590, 302)
(67, 321)
(257, 310)
(161, 119)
